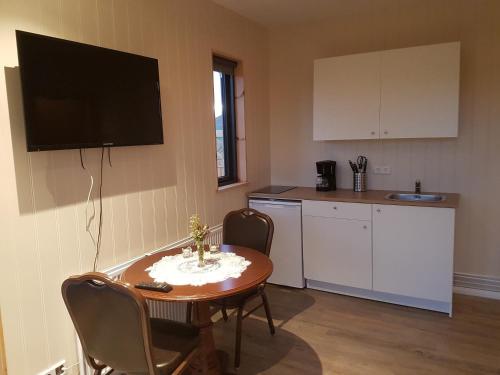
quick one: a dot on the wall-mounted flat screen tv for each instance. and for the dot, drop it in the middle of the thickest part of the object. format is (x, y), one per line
(80, 96)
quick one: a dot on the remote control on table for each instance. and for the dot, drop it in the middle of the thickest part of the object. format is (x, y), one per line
(154, 286)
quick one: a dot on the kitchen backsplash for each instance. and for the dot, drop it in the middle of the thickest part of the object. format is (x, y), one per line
(431, 161)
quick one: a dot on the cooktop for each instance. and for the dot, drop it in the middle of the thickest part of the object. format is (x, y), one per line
(274, 189)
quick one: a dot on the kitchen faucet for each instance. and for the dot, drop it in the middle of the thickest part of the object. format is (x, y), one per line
(418, 187)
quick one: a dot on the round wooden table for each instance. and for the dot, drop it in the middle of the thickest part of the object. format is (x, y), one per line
(256, 273)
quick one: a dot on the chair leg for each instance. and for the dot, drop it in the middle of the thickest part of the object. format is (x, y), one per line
(237, 347)
(268, 312)
(189, 311)
(224, 313)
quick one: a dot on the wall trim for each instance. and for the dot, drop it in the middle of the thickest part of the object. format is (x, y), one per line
(476, 285)
(3, 361)
(115, 270)
(476, 292)
(463, 283)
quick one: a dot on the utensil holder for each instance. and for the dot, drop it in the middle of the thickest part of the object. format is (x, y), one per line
(359, 181)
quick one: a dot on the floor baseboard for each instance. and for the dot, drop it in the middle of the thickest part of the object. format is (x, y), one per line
(476, 285)
(476, 292)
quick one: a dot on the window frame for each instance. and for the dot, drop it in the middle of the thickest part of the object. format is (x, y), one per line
(227, 69)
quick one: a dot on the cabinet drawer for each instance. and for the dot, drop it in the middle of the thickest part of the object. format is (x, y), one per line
(339, 210)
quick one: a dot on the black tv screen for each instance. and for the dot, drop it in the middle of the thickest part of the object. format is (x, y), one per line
(77, 95)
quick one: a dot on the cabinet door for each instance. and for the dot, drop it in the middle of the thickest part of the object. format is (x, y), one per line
(413, 251)
(347, 97)
(420, 91)
(337, 251)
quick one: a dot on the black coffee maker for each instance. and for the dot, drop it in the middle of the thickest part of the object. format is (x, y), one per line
(325, 181)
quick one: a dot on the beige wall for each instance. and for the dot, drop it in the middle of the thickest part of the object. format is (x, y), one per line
(467, 165)
(149, 192)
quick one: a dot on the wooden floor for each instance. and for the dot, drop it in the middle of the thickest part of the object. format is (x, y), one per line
(323, 333)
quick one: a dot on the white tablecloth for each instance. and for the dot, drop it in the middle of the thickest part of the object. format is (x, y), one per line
(177, 270)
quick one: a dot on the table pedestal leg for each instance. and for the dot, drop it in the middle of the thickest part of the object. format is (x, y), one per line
(206, 362)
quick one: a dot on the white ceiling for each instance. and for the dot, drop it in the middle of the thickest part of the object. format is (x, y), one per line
(276, 13)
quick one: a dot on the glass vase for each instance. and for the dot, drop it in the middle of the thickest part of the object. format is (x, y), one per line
(201, 254)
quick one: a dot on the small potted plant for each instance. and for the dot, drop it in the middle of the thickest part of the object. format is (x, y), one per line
(198, 233)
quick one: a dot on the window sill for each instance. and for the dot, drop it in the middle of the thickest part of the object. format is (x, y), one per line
(230, 186)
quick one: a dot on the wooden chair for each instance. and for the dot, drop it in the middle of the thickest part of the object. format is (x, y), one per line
(249, 228)
(113, 324)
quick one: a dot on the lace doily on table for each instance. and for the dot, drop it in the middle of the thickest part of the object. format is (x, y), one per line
(177, 270)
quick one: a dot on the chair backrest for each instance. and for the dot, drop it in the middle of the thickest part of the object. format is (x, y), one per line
(112, 322)
(249, 228)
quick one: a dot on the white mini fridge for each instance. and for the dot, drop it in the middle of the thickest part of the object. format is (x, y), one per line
(286, 248)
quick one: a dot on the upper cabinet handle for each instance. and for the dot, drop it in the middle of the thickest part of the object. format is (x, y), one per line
(334, 207)
(386, 132)
(378, 210)
(373, 133)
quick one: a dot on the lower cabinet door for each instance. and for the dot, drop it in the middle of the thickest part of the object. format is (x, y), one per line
(337, 251)
(413, 251)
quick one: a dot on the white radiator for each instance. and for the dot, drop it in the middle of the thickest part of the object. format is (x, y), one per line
(167, 310)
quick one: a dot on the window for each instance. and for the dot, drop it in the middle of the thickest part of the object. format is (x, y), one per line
(225, 120)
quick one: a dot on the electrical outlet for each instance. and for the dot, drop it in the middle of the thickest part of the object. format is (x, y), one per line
(56, 369)
(384, 169)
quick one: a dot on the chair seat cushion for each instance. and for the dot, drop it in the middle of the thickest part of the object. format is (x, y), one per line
(172, 342)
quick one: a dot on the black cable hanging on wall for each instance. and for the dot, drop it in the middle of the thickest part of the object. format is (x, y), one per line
(99, 232)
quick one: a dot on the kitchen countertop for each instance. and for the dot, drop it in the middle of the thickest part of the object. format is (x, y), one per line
(346, 195)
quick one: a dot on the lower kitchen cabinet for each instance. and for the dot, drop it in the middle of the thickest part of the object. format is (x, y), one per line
(413, 251)
(337, 251)
(392, 253)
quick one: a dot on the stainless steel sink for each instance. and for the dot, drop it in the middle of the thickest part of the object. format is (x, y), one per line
(409, 197)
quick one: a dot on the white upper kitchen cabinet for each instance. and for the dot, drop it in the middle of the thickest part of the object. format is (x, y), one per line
(401, 93)
(420, 91)
(347, 97)
(413, 251)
